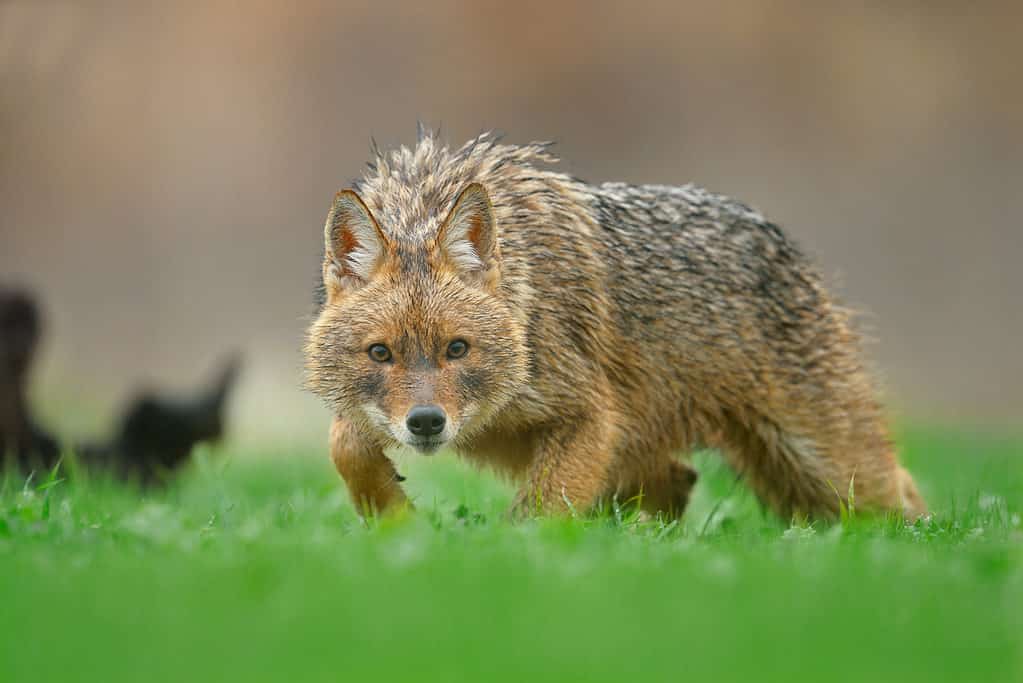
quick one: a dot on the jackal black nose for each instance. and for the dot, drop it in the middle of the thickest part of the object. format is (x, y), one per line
(425, 420)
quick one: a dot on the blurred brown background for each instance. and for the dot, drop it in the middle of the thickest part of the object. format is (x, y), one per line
(165, 171)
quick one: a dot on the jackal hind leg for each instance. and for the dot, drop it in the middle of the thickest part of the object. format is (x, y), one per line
(661, 484)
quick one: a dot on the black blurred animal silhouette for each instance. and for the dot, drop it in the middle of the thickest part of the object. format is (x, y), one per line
(156, 432)
(22, 440)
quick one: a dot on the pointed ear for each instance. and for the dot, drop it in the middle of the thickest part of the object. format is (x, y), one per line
(468, 237)
(355, 245)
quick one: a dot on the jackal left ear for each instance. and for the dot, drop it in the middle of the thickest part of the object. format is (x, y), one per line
(354, 241)
(468, 236)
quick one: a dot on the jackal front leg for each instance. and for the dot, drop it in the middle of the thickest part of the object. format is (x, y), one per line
(570, 470)
(372, 480)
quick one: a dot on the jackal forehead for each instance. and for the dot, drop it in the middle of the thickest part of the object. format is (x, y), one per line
(412, 260)
(414, 315)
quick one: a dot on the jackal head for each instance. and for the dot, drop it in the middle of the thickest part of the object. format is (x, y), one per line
(415, 341)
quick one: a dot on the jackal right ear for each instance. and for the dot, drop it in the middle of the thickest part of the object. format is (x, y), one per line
(354, 241)
(468, 237)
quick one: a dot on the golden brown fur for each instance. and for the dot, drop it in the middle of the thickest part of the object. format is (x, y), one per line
(609, 329)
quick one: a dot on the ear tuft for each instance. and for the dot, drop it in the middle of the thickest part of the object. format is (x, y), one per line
(355, 245)
(468, 237)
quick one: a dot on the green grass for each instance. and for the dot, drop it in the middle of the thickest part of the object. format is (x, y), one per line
(255, 568)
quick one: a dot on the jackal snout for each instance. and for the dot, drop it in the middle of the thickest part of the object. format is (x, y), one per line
(426, 420)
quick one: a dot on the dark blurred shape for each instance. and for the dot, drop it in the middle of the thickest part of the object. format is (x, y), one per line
(157, 433)
(21, 439)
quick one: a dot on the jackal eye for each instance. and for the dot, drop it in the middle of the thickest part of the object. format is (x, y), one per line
(380, 353)
(457, 348)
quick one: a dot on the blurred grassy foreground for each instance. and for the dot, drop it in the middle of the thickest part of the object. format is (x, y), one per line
(257, 569)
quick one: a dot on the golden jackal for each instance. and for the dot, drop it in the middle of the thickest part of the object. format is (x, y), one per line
(579, 336)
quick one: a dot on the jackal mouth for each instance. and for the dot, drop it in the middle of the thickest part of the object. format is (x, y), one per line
(427, 446)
